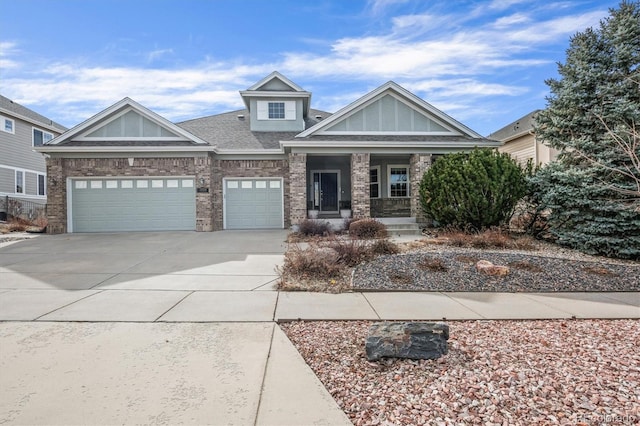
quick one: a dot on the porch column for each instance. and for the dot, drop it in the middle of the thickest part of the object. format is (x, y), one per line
(360, 198)
(418, 164)
(297, 187)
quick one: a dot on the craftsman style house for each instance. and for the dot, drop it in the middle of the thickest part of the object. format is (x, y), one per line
(266, 166)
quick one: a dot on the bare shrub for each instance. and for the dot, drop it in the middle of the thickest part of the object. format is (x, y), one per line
(599, 270)
(368, 229)
(310, 227)
(381, 247)
(350, 252)
(433, 265)
(494, 238)
(313, 262)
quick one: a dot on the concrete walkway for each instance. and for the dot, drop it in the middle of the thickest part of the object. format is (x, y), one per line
(179, 328)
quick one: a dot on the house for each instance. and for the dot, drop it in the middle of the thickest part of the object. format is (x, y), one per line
(22, 169)
(521, 143)
(128, 168)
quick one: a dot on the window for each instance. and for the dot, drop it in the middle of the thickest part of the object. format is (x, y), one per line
(41, 185)
(19, 182)
(276, 110)
(374, 182)
(41, 137)
(7, 125)
(398, 181)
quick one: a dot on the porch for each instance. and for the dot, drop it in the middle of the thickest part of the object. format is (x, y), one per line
(369, 185)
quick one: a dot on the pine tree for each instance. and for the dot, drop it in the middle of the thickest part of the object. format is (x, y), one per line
(476, 190)
(592, 117)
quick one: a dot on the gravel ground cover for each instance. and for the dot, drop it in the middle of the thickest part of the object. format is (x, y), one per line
(577, 372)
(453, 269)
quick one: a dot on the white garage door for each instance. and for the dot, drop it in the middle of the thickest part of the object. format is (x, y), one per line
(133, 204)
(253, 203)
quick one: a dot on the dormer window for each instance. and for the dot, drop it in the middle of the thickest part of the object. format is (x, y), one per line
(276, 110)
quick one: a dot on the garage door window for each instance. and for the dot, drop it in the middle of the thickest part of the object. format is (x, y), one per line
(157, 184)
(187, 183)
(112, 184)
(96, 184)
(274, 184)
(126, 184)
(81, 184)
(247, 184)
(142, 184)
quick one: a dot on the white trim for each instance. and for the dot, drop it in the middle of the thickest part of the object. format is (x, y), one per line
(378, 93)
(3, 166)
(338, 188)
(62, 148)
(390, 144)
(379, 183)
(33, 141)
(126, 102)
(272, 76)
(27, 196)
(224, 196)
(70, 204)
(3, 121)
(398, 166)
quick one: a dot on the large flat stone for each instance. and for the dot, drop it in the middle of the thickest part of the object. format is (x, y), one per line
(205, 306)
(131, 373)
(119, 305)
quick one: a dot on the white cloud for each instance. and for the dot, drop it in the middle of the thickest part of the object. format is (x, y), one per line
(378, 6)
(158, 53)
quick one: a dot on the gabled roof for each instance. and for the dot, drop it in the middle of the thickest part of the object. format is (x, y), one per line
(276, 85)
(521, 126)
(78, 134)
(445, 123)
(276, 76)
(11, 108)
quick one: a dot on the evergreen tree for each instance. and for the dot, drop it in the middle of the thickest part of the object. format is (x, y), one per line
(592, 117)
(476, 190)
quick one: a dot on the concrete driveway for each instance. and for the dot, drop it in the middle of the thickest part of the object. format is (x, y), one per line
(104, 329)
(141, 276)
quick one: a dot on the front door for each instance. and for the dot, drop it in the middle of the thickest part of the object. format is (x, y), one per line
(325, 191)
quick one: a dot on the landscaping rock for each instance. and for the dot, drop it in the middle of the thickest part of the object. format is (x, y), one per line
(413, 340)
(489, 268)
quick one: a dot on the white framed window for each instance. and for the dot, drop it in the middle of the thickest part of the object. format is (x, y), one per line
(126, 184)
(276, 110)
(19, 182)
(42, 184)
(142, 184)
(157, 183)
(7, 125)
(374, 182)
(40, 137)
(95, 184)
(187, 183)
(398, 178)
(172, 183)
(111, 184)
(81, 184)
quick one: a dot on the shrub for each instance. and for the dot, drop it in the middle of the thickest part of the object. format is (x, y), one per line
(475, 190)
(351, 252)
(311, 263)
(490, 238)
(367, 229)
(381, 247)
(310, 227)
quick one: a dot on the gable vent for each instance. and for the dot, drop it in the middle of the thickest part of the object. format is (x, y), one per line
(240, 116)
(318, 117)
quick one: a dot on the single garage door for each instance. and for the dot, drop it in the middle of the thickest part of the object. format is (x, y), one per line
(253, 203)
(133, 204)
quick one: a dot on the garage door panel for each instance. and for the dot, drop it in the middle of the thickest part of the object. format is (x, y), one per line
(104, 205)
(253, 203)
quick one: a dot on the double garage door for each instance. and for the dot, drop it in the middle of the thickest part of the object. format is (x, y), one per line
(133, 204)
(169, 204)
(253, 203)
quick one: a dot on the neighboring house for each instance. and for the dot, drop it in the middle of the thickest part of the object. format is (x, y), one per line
(128, 168)
(22, 169)
(521, 143)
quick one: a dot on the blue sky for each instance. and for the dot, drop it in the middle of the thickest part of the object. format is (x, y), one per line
(482, 62)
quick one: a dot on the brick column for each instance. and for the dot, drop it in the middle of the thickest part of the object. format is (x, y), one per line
(418, 164)
(360, 198)
(204, 200)
(297, 187)
(56, 196)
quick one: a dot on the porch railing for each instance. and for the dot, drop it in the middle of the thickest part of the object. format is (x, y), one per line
(20, 208)
(390, 207)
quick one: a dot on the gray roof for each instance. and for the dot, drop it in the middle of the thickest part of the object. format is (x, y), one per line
(522, 124)
(130, 143)
(228, 131)
(11, 106)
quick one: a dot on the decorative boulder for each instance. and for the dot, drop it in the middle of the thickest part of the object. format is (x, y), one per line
(488, 268)
(414, 340)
